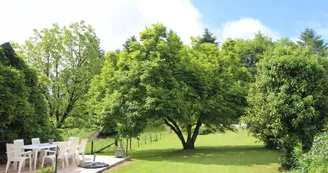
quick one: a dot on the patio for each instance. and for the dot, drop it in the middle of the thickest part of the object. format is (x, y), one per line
(111, 160)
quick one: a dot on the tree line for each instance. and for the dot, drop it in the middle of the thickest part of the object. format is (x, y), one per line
(276, 87)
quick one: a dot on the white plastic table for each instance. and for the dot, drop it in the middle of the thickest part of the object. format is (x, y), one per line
(37, 147)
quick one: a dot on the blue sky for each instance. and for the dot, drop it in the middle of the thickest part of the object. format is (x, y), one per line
(116, 20)
(288, 17)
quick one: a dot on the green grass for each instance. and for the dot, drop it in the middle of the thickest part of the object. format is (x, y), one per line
(225, 153)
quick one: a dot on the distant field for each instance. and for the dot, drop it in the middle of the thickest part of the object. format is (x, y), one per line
(223, 153)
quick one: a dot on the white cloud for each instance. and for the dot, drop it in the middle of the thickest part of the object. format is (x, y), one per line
(245, 28)
(113, 20)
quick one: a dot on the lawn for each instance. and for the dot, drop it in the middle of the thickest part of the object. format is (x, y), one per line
(225, 153)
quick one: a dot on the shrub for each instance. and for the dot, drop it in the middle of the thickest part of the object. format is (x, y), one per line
(314, 161)
(288, 102)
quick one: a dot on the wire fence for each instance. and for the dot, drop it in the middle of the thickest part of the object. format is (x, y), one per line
(127, 143)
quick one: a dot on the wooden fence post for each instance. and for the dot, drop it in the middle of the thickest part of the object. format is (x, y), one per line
(92, 147)
(130, 143)
(138, 141)
(127, 143)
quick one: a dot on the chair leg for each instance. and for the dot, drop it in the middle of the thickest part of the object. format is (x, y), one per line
(15, 165)
(66, 159)
(20, 165)
(77, 158)
(42, 161)
(63, 163)
(83, 156)
(30, 164)
(7, 167)
(73, 160)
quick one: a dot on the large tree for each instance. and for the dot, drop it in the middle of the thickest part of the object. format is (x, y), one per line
(67, 59)
(288, 102)
(310, 40)
(208, 37)
(162, 79)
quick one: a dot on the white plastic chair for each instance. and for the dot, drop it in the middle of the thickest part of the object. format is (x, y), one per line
(15, 154)
(62, 147)
(19, 142)
(35, 141)
(71, 153)
(72, 138)
(81, 149)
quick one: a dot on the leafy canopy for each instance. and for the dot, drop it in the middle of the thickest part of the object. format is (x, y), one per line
(160, 79)
(67, 59)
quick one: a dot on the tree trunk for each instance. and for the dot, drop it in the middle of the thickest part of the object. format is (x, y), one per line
(191, 138)
(189, 145)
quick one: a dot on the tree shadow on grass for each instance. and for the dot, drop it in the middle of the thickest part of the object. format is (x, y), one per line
(223, 155)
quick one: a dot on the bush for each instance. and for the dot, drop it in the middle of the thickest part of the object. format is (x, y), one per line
(314, 161)
(288, 102)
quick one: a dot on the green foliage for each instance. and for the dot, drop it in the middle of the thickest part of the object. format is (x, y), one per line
(160, 79)
(126, 45)
(252, 51)
(67, 59)
(288, 102)
(314, 161)
(23, 108)
(48, 169)
(313, 42)
(204, 131)
(207, 37)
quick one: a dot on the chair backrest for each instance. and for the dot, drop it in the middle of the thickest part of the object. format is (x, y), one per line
(83, 145)
(62, 149)
(72, 147)
(35, 141)
(13, 151)
(19, 142)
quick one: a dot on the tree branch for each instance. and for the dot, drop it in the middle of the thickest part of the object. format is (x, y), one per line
(176, 130)
(196, 131)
